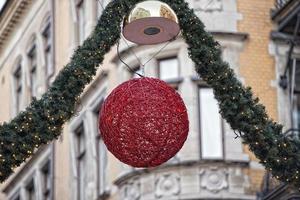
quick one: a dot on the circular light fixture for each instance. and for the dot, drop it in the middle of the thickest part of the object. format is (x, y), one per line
(151, 22)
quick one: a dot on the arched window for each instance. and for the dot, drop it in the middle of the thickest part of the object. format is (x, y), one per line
(47, 49)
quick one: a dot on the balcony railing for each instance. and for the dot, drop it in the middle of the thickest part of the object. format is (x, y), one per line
(281, 3)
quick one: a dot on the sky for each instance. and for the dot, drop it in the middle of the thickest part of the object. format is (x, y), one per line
(2, 2)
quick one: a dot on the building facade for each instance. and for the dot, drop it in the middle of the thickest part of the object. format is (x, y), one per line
(38, 37)
(285, 47)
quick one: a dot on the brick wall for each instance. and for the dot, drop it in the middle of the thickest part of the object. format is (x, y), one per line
(257, 66)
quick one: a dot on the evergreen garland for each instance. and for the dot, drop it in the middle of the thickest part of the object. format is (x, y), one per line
(43, 119)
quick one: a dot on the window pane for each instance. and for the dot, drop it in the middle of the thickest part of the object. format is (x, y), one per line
(81, 178)
(296, 64)
(102, 162)
(33, 81)
(81, 161)
(46, 180)
(18, 87)
(30, 190)
(80, 137)
(49, 66)
(33, 70)
(47, 50)
(211, 125)
(15, 197)
(168, 68)
(101, 153)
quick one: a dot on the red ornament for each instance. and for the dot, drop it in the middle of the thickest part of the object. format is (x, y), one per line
(144, 122)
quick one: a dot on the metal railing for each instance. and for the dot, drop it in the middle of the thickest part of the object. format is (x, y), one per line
(281, 3)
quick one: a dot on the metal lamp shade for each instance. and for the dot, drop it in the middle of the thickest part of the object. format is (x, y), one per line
(151, 22)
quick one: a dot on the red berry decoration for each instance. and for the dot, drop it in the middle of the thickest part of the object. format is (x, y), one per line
(144, 122)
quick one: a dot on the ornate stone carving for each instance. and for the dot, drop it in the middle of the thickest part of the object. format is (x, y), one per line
(208, 5)
(167, 185)
(214, 179)
(132, 190)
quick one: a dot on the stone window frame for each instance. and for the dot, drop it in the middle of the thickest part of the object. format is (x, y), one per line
(46, 186)
(16, 195)
(31, 182)
(32, 173)
(94, 107)
(86, 117)
(295, 60)
(47, 48)
(78, 154)
(228, 135)
(32, 52)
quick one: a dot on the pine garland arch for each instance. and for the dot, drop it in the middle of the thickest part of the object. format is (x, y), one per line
(43, 119)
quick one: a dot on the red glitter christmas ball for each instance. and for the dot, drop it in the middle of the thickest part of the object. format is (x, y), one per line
(144, 122)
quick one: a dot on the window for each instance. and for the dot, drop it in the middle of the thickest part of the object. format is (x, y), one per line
(30, 191)
(80, 10)
(101, 152)
(48, 50)
(33, 70)
(46, 181)
(211, 128)
(18, 86)
(16, 196)
(168, 69)
(81, 161)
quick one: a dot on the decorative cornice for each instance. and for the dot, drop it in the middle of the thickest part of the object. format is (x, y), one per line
(204, 163)
(10, 16)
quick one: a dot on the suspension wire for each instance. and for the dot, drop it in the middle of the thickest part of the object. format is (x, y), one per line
(118, 49)
(158, 52)
(100, 3)
(128, 67)
(142, 65)
(208, 4)
(132, 52)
